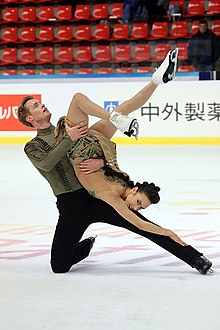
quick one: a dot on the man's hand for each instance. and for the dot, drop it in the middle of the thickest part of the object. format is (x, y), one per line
(90, 165)
(78, 131)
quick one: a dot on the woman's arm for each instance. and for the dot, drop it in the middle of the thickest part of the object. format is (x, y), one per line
(119, 205)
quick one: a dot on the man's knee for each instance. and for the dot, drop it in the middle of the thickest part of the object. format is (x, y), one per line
(58, 268)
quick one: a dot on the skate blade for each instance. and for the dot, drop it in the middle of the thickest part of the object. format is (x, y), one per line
(133, 129)
(210, 271)
(174, 55)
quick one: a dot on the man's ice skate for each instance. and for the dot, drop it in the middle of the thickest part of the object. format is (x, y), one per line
(203, 265)
(128, 126)
(91, 240)
(166, 71)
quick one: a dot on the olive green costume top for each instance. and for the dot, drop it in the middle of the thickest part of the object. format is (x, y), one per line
(51, 160)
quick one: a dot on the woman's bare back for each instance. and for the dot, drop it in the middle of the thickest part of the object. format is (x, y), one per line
(98, 185)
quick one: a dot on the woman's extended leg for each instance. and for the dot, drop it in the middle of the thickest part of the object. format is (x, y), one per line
(134, 103)
(81, 106)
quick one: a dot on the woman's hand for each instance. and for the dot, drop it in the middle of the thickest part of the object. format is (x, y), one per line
(89, 166)
(176, 238)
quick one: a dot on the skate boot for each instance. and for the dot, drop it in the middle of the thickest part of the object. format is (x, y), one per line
(167, 69)
(203, 265)
(128, 126)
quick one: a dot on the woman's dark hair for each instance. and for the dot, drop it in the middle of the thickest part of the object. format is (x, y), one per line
(109, 172)
(150, 190)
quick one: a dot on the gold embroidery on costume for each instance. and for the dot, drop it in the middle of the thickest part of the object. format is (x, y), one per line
(93, 145)
(92, 192)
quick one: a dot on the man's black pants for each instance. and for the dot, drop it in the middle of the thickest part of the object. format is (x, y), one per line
(78, 210)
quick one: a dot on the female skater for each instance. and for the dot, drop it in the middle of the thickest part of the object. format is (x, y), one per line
(110, 184)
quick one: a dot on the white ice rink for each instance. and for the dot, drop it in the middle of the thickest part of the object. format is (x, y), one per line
(127, 282)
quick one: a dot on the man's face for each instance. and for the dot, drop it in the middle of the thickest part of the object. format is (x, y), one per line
(39, 114)
(202, 28)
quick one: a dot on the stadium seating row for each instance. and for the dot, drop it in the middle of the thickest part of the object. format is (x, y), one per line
(44, 33)
(96, 11)
(94, 54)
(45, 13)
(92, 70)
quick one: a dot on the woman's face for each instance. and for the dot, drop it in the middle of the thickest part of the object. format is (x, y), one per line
(137, 201)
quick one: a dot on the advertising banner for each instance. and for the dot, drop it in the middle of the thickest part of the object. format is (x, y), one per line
(8, 112)
(177, 110)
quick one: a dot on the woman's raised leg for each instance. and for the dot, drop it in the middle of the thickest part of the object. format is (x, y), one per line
(81, 106)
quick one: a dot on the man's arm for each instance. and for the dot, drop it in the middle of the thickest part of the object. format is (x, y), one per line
(46, 158)
(43, 159)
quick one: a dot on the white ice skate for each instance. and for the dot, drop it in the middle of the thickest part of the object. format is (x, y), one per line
(166, 71)
(128, 126)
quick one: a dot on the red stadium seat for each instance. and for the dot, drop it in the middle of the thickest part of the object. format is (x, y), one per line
(83, 32)
(83, 54)
(82, 12)
(116, 11)
(27, 34)
(9, 34)
(9, 55)
(9, 72)
(139, 31)
(123, 70)
(213, 7)
(160, 52)
(216, 27)
(27, 72)
(45, 13)
(102, 70)
(65, 54)
(27, 55)
(145, 69)
(85, 71)
(8, 1)
(100, 11)
(10, 14)
(64, 13)
(196, 8)
(194, 27)
(159, 30)
(66, 71)
(141, 53)
(46, 55)
(120, 31)
(46, 72)
(28, 14)
(122, 53)
(103, 53)
(45, 33)
(64, 32)
(101, 32)
(179, 29)
(183, 51)
(186, 68)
